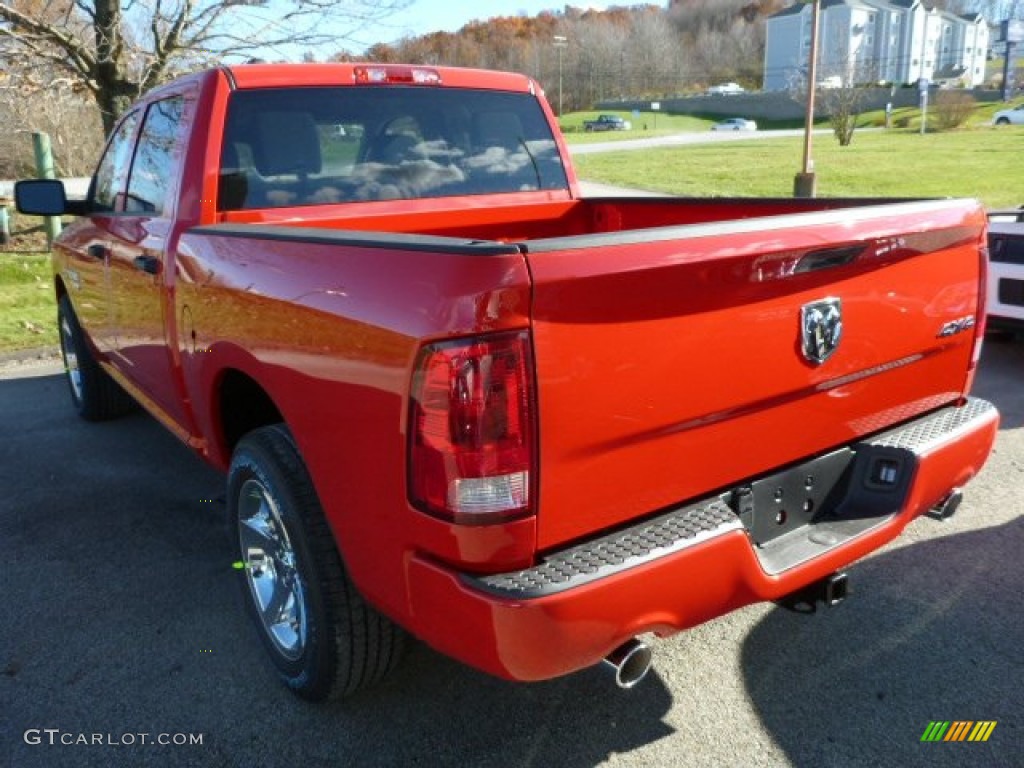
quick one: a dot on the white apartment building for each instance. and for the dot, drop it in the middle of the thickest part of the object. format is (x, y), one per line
(871, 41)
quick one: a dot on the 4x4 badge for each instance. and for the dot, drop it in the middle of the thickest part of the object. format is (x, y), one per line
(821, 328)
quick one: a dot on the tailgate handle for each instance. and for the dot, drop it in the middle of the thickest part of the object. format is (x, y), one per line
(828, 258)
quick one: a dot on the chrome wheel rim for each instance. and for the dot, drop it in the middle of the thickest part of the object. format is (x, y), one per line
(70, 355)
(271, 570)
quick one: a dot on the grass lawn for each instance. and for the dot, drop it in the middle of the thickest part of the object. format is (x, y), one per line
(980, 162)
(28, 312)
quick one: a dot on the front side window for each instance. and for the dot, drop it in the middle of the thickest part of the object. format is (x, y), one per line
(112, 171)
(309, 146)
(155, 165)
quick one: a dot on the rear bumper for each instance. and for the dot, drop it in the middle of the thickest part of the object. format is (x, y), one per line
(685, 566)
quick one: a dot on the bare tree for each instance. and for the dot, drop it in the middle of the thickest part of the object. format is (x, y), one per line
(843, 105)
(118, 51)
(725, 37)
(655, 49)
(953, 109)
(840, 99)
(57, 108)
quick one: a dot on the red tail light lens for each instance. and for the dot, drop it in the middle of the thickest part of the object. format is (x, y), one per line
(471, 431)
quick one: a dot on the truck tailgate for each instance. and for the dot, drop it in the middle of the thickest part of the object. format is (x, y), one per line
(675, 362)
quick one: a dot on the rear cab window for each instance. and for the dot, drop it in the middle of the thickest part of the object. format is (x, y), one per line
(322, 145)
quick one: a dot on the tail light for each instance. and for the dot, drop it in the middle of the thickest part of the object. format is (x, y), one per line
(982, 321)
(471, 432)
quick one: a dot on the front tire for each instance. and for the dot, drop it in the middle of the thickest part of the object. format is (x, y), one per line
(94, 395)
(1003, 121)
(324, 640)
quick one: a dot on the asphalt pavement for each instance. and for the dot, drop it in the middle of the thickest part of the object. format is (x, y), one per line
(122, 627)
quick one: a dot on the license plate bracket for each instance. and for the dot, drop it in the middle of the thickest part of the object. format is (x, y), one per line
(782, 502)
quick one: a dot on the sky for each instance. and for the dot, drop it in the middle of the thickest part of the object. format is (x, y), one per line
(426, 16)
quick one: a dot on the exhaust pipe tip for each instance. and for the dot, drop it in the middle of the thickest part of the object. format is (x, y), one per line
(630, 662)
(946, 508)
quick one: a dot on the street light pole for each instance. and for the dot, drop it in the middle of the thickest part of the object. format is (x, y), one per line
(805, 183)
(561, 41)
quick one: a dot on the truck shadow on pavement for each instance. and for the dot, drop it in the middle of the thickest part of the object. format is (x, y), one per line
(933, 632)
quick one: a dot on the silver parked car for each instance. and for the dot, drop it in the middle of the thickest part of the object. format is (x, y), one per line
(1013, 116)
(735, 124)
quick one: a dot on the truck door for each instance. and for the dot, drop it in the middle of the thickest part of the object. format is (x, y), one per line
(141, 272)
(88, 246)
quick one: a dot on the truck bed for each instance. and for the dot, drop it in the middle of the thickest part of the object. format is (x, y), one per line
(521, 218)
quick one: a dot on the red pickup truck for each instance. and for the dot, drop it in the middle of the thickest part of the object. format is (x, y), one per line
(453, 397)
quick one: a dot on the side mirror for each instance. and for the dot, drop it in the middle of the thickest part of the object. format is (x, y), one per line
(40, 197)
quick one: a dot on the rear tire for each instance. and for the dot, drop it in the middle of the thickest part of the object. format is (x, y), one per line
(95, 395)
(324, 640)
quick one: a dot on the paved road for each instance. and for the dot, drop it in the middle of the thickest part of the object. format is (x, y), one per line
(121, 617)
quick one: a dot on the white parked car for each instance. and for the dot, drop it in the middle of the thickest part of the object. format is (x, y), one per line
(725, 89)
(1013, 116)
(735, 124)
(1006, 271)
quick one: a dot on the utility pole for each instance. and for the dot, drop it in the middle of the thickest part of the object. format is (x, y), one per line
(561, 41)
(805, 184)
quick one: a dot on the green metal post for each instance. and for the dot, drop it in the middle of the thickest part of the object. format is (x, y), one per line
(44, 170)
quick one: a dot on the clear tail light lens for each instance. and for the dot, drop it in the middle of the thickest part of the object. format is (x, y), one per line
(471, 431)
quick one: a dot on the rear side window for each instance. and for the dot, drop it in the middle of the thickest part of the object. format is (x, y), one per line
(112, 172)
(155, 168)
(309, 146)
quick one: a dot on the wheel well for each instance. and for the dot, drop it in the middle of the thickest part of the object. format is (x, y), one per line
(244, 406)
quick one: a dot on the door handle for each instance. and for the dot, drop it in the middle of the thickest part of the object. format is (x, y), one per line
(148, 264)
(98, 251)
